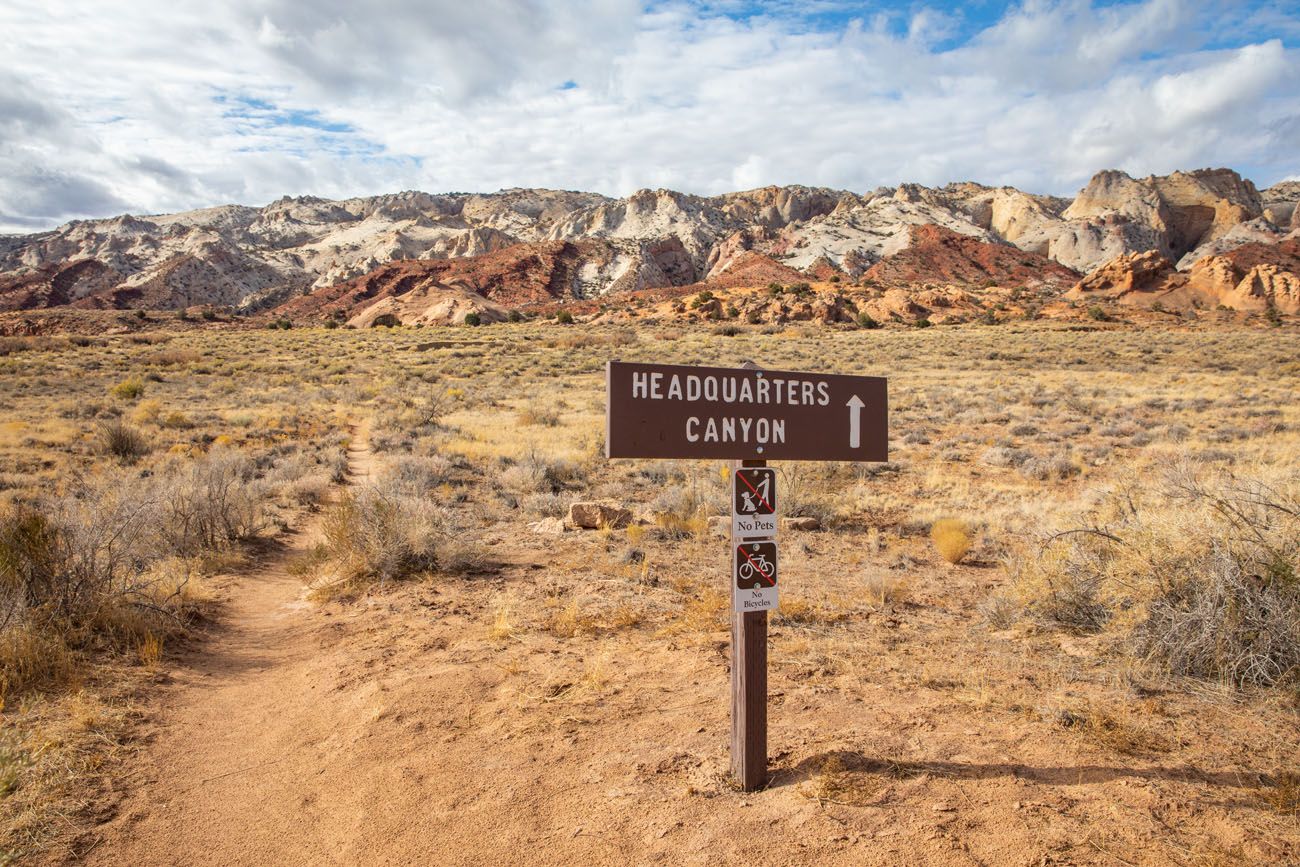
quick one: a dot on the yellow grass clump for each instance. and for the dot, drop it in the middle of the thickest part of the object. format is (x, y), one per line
(952, 538)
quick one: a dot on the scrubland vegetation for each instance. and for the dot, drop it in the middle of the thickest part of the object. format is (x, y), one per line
(1090, 538)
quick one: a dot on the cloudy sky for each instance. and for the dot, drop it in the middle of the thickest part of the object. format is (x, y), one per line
(144, 107)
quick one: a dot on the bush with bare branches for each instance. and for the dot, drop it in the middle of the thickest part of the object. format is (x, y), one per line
(1200, 574)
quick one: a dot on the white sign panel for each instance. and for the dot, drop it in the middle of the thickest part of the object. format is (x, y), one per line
(753, 503)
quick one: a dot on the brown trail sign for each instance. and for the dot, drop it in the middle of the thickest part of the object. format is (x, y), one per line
(674, 411)
(750, 416)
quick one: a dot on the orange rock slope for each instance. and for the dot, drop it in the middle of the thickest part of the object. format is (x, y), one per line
(1250, 278)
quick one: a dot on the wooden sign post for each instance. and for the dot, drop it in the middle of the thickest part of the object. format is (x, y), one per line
(748, 688)
(748, 415)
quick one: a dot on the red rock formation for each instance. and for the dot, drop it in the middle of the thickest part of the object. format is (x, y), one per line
(938, 255)
(55, 285)
(518, 276)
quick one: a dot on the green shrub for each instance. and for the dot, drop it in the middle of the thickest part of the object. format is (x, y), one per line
(564, 317)
(701, 299)
(129, 389)
(865, 320)
(473, 318)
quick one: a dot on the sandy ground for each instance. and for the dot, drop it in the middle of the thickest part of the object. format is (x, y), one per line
(396, 729)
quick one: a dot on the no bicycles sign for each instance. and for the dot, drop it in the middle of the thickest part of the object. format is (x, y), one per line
(754, 569)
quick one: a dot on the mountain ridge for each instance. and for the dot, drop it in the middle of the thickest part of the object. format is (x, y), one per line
(254, 259)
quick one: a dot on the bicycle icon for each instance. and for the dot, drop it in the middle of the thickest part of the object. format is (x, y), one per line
(756, 565)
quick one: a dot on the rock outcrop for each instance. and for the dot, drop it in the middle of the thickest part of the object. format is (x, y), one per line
(1185, 209)
(936, 254)
(1280, 204)
(1125, 275)
(1250, 278)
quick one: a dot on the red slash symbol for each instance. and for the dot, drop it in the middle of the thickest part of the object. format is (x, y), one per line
(771, 582)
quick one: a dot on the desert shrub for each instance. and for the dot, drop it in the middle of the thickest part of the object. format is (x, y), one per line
(307, 491)
(86, 571)
(538, 415)
(999, 611)
(417, 476)
(146, 411)
(682, 510)
(951, 538)
(1000, 456)
(805, 493)
(1057, 466)
(208, 503)
(867, 321)
(32, 659)
(535, 473)
(176, 420)
(128, 389)
(473, 318)
(380, 533)
(545, 504)
(564, 317)
(118, 439)
(1199, 574)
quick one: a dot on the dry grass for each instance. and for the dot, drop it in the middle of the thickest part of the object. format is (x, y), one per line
(1200, 572)
(836, 784)
(951, 538)
(1282, 793)
(1119, 730)
(378, 534)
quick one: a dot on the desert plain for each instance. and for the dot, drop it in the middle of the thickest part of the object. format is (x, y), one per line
(331, 607)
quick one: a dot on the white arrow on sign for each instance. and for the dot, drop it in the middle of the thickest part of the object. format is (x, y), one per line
(855, 406)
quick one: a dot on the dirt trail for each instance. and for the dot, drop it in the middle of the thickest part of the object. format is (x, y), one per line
(226, 773)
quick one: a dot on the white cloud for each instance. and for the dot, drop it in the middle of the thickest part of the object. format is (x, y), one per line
(106, 107)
